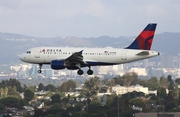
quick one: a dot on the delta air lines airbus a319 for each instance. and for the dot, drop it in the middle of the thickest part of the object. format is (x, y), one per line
(76, 58)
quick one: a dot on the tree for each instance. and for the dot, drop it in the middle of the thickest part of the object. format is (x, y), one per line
(91, 87)
(2, 107)
(118, 80)
(137, 102)
(171, 86)
(164, 82)
(106, 82)
(38, 113)
(56, 98)
(12, 82)
(133, 79)
(12, 91)
(152, 83)
(65, 101)
(127, 79)
(40, 87)
(176, 91)
(26, 114)
(11, 102)
(68, 86)
(94, 106)
(28, 94)
(161, 92)
(170, 105)
(110, 99)
(1, 92)
(177, 81)
(78, 107)
(6, 91)
(170, 79)
(32, 88)
(57, 110)
(50, 115)
(50, 87)
(113, 82)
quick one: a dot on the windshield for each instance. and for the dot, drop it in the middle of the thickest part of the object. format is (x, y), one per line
(28, 52)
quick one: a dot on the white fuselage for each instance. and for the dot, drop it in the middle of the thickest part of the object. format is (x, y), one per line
(96, 56)
(76, 58)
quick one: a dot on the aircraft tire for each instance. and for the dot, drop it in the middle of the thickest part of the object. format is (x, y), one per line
(90, 72)
(80, 72)
(39, 71)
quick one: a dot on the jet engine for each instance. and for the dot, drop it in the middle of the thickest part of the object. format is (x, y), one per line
(57, 64)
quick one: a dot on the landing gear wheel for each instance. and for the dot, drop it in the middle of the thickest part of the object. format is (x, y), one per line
(39, 71)
(80, 72)
(90, 72)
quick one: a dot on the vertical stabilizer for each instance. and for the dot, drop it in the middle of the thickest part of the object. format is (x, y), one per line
(145, 38)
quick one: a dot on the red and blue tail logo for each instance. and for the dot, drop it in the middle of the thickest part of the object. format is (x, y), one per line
(145, 38)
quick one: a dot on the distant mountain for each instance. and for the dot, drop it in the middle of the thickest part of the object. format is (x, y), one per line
(168, 43)
(11, 45)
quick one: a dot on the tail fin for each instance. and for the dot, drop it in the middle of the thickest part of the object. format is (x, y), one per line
(145, 38)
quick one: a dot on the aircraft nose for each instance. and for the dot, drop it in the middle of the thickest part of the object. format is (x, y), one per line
(21, 57)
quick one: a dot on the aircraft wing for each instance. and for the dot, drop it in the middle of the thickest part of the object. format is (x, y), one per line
(76, 58)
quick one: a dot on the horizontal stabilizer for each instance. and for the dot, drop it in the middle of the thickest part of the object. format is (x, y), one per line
(143, 53)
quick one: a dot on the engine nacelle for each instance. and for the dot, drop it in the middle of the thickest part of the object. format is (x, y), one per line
(57, 64)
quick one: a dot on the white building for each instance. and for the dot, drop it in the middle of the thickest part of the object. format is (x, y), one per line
(139, 71)
(122, 89)
(23, 67)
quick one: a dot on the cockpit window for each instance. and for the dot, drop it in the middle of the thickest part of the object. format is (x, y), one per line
(28, 52)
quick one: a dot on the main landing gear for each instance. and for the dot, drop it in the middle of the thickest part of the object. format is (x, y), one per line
(40, 71)
(80, 72)
(89, 72)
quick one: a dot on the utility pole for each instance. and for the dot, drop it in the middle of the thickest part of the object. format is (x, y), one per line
(118, 106)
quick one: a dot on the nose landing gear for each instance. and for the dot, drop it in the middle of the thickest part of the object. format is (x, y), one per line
(40, 71)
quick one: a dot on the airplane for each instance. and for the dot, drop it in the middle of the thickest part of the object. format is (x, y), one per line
(75, 58)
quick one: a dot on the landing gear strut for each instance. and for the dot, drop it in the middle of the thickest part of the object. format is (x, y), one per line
(40, 71)
(90, 72)
(80, 72)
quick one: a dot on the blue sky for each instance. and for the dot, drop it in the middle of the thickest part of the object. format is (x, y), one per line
(87, 18)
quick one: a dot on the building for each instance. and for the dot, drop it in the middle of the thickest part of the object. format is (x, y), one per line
(159, 114)
(166, 61)
(119, 90)
(139, 71)
(49, 73)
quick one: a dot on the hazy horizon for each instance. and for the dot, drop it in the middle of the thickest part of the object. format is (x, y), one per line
(87, 18)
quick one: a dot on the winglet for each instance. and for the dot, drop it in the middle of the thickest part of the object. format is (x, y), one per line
(81, 52)
(145, 38)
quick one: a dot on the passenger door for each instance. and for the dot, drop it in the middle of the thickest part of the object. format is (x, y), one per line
(123, 55)
(37, 53)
